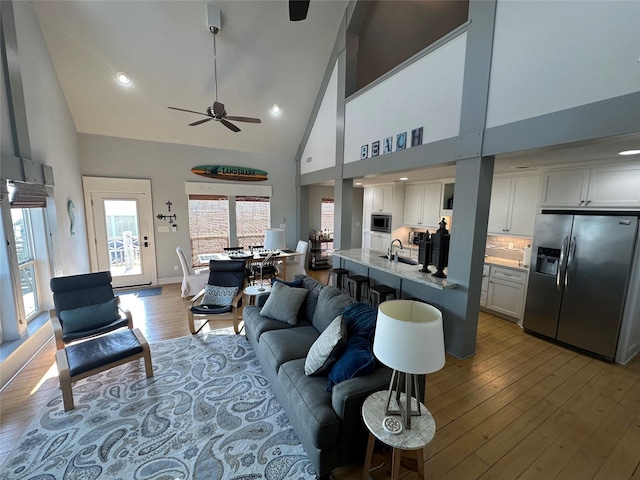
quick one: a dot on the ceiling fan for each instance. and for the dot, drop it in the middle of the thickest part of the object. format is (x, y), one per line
(217, 111)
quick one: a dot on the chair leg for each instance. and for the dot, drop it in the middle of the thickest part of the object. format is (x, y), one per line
(146, 352)
(65, 380)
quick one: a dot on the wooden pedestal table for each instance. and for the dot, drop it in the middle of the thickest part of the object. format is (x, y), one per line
(423, 428)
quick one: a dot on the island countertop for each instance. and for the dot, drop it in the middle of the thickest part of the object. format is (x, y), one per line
(371, 259)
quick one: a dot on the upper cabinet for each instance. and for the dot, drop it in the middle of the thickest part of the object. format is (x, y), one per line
(380, 199)
(422, 205)
(513, 207)
(601, 187)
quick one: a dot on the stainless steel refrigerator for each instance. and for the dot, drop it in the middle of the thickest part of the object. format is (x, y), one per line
(578, 280)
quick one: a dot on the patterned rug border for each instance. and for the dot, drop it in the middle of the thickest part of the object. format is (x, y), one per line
(208, 413)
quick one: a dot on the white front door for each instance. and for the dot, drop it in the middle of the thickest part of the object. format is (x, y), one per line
(120, 228)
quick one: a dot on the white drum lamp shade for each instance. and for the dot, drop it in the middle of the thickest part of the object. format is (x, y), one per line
(409, 339)
(274, 239)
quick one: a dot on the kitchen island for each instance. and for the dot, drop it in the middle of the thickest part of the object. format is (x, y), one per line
(372, 260)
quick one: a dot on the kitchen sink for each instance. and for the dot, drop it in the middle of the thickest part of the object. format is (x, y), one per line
(406, 260)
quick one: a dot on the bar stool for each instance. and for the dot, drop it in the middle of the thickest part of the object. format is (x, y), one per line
(381, 293)
(355, 286)
(335, 277)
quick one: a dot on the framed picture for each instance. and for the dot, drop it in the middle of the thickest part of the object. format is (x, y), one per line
(375, 148)
(401, 141)
(416, 137)
(364, 151)
(387, 145)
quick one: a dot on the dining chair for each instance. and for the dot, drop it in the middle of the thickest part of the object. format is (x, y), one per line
(192, 281)
(296, 265)
(267, 267)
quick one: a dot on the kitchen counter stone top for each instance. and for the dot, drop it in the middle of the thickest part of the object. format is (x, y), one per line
(371, 259)
(503, 262)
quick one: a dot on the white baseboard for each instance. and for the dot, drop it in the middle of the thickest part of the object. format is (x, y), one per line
(168, 280)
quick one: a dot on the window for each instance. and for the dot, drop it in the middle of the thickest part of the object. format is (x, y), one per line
(27, 265)
(326, 215)
(208, 224)
(253, 217)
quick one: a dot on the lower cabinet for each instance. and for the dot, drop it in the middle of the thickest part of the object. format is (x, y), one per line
(485, 285)
(506, 291)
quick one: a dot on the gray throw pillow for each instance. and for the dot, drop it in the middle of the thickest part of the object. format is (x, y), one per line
(91, 317)
(327, 348)
(314, 287)
(284, 303)
(216, 295)
(331, 302)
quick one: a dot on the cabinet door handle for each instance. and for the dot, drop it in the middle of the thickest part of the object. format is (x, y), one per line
(588, 202)
(581, 202)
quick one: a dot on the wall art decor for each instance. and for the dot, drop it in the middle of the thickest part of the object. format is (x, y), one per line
(387, 145)
(416, 137)
(223, 172)
(364, 151)
(375, 148)
(72, 216)
(401, 141)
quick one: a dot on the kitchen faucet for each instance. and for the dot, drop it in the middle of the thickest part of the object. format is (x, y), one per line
(390, 251)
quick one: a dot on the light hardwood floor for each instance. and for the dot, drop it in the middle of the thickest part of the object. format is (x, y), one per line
(520, 408)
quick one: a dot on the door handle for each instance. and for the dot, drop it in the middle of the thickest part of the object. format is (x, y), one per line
(572, 249)
(146, 244)
(559, 275)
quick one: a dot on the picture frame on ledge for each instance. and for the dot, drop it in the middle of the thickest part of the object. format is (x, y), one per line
(375, 148)
(401, 141)
(387, 145)
(364, 152)
(416, 137)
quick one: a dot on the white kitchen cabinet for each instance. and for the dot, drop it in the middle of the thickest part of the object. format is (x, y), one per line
(486, 270)
(422, 205)
(600, 187)
(381, 198)
(506, 292)
(513, 205)
(377, 241)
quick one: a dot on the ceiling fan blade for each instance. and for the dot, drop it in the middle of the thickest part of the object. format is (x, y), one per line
(218, 108)
(244, 119)
(298, 10)
(200, 122)
(229, 125)
(190, 111)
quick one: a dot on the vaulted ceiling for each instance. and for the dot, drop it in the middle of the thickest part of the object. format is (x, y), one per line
(166, 48)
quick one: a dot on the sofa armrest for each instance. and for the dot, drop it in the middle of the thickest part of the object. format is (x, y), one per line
(347, 397)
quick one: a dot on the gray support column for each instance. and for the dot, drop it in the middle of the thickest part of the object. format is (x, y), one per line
(343, 198)
(302, 194)
(466, 254)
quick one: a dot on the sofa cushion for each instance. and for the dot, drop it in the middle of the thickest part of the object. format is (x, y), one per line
(310, 402)
(360, 319)
(219, 296)
(280, 346)
(295, 284)
(90, 317)
(314, 287)
(327, 348)
(284, 303)
(255, 324)
(331, 303)
(357, 359)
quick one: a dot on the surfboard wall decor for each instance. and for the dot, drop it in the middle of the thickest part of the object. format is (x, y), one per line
(225, 172)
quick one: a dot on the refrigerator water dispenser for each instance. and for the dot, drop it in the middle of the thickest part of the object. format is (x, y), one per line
(548, 260)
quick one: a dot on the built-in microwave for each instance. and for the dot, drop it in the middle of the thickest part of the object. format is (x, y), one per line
(380, 223)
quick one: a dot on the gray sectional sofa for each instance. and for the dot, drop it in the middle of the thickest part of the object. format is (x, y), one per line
(328, 423)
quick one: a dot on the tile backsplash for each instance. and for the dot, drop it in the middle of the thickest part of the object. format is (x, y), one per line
(498, 246)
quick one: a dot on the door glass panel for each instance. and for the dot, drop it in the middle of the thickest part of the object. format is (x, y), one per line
(123, 237)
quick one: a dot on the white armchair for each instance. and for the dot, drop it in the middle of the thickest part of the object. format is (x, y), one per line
(192, 282)
(296, 265)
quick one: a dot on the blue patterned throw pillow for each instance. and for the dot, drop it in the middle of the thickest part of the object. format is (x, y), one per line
(360, 319)
(215, 295)
(357, 359)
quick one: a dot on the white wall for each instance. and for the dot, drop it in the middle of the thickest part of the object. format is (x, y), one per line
(321, 145)
(427, 93)
(554, 55)
(53, 137)
(168, 166)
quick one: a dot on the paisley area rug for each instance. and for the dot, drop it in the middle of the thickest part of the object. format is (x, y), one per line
(208, 413)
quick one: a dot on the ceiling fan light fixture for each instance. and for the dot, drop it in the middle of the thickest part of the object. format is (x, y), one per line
(123, 78)
(275, 109)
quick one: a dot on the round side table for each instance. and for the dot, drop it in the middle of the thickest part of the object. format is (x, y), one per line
(423, 428)
(253, 290)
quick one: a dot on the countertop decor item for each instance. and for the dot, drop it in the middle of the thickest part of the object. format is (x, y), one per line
(409, 339)
(392, 425)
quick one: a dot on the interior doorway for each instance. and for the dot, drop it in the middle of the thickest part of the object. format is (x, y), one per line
(120, 229)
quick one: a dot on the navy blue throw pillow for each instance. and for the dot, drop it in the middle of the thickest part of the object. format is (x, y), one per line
(357, 359)
(360, 319)
(294, 284)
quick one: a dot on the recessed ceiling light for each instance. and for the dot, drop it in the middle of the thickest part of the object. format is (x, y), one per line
(123, 78)
(403, 179)
(275, 110)
(358, 183)
(630, 152)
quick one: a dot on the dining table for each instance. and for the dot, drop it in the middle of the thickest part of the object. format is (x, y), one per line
(257, 255)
